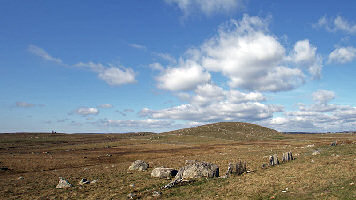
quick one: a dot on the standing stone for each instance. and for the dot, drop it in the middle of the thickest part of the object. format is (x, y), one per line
(287, 156)
(273, 160)
(333, 143)
(139, 165)
(63, 183)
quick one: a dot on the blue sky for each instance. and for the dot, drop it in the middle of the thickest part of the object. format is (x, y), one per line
(120, 66)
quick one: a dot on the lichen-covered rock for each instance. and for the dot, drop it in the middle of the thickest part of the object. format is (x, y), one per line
(198, 170)
(139, 165)
(162, 172)
(63, 183)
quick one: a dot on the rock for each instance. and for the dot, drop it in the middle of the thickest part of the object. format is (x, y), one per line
(93, 181)
(162, 172)
(316, 152)
(238, 168)
(198, 170)
(63, 183)
(264, 166)
(132, 196)
(139, 165)
(20, 178)
(192, 171)
(84, 181)
(156, 194)
(273, 160)
(333, 143)
(310, 145)
(132, 185)
(287, 156)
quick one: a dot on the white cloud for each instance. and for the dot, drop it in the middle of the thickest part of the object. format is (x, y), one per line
(323, 96)
(43, 54)
(304, 54)
(156, 66)
(138, 46)
(208, 7)
(211, 103)
(319, 116)
(336, 24)
(105, 106)
(342, 55)
(250, 56)
(185, 77)
(111, 74)
(85, 111)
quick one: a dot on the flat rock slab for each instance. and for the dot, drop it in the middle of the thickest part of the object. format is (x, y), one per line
(162, 172)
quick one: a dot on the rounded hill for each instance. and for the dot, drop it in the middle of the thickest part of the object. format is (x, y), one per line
(230, 131)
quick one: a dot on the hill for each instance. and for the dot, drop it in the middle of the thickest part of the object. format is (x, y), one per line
(230, 131)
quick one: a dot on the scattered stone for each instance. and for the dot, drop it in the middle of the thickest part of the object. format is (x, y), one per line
(139, 165)
(316, 152)
(333, 143)
(310, 145)
(63, 183)
(108, 155)
(84, 181)
(93, 181)
(352, 183)
(264, 166)
(132, 185)
(286, 157)
(132, 196)
(20, 178)
(162, 172)
(273, 160)
(156, 193)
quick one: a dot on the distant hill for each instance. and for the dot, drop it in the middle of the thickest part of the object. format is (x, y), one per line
(230, 131)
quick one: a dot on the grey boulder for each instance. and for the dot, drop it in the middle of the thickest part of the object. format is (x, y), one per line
(139, 165)
(162, 172)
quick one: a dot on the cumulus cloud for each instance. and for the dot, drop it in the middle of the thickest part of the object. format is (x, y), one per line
(207, 7)
(323, 96)
(111, 74)
(210, 103)
(187, 76)
(342, 55)
(249, 55)
(43, 54)
(85, 111)
(105, 106)
(304, 54)
(336, 24)
(319, 116)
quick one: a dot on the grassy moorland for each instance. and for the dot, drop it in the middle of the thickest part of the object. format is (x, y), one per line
(39, 159)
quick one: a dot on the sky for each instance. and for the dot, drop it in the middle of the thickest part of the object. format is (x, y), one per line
(158, 65)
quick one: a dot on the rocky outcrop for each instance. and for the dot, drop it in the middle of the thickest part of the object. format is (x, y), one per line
(139, 165)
